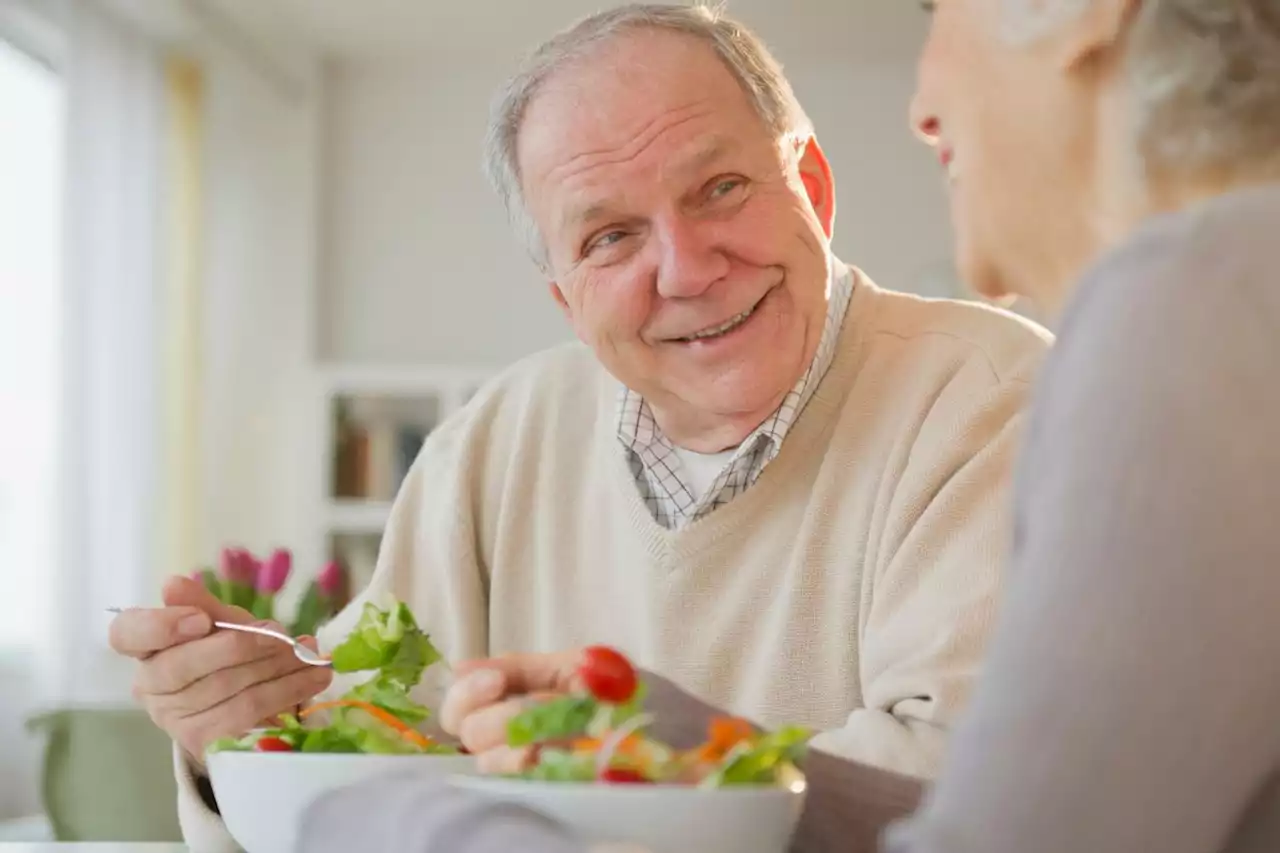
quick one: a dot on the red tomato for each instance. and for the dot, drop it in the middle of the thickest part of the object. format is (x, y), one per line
(608, 675)
(273, 744)
(623, 776)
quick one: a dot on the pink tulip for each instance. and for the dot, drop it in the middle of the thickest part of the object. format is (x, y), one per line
(275, 572)
(330, 579)
(238, 566)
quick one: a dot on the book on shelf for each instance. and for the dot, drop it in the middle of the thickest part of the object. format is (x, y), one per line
(374, 451)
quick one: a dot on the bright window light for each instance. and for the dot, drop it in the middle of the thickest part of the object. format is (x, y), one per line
(31, 171)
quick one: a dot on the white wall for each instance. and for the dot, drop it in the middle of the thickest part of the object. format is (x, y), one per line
(258, 315)
(419, 264)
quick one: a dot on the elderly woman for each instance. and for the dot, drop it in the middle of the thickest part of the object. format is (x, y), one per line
(1118, 162)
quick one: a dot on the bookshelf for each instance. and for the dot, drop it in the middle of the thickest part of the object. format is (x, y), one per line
(374, 422)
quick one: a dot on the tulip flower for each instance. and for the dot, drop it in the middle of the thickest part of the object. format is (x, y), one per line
(238, 570)
(275, 572)
(321, 601)
(330, 579)
(271, 578)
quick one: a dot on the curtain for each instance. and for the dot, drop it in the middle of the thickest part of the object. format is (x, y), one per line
(180, 529)
(111, 412)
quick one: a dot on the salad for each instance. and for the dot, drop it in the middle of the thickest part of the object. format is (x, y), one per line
(377, 716)
(597, 734)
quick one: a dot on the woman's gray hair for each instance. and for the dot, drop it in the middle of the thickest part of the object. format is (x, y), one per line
(1204, 77)
(742, 52)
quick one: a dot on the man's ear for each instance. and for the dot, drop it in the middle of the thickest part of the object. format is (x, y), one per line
(1094, 32)
(558, 296)
(819, 184)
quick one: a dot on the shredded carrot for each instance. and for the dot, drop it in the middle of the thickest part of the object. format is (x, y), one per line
(728, 732)
(723, 734)
(630, 745)
(405, 731)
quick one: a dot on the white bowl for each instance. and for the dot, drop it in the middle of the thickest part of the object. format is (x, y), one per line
(262, 795)
(660, 818)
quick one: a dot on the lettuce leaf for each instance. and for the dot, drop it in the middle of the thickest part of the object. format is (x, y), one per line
(558, 765)
(387, 640)
(414, 653)
(757, 761)
(330, 739)
(556, 719)
(391, 696)
(390, 642)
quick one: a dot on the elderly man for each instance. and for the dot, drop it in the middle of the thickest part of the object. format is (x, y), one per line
(760, 475)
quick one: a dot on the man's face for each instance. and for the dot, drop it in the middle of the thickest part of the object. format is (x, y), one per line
(688, 245)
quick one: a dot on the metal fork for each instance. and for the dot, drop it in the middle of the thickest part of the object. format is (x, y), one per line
(301, 652)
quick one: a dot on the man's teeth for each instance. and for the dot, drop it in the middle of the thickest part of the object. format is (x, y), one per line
(727, 326)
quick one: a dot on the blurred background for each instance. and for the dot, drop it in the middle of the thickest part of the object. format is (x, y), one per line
(248, 261)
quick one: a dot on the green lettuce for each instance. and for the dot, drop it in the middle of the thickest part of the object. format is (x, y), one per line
(556, 719)
(347, 733)
(558, 765)
(389, 641)
(758, 761)
(391, 696)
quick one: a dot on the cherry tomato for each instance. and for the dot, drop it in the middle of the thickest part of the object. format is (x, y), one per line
(623, 776)
(607, 674)
(273, 744)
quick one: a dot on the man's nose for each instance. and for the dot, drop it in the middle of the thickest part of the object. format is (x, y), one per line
(691, 259)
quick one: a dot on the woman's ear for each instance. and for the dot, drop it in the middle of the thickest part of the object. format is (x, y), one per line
(1094, 32)
(558, 295)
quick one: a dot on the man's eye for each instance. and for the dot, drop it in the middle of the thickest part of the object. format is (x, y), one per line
(723, 188)
(605, 240)
(930, 6)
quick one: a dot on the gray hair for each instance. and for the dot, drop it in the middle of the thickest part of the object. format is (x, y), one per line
(1205, 80)
(741, 51)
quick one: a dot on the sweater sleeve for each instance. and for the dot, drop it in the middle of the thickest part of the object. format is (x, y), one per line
(931, 590)
(428, 558)
(1129, 703)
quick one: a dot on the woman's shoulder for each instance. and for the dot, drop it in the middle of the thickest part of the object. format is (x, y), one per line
(1178, 325)
(1210, 272)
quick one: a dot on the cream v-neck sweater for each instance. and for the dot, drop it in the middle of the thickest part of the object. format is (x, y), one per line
(852, 588)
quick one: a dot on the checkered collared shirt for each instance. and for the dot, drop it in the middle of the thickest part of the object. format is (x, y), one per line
(656, 466)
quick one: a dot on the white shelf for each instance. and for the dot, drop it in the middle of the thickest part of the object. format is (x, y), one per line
(357, 516)
(401, 379)
(371, 388)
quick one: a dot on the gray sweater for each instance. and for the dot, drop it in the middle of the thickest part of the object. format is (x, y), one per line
(1131, 699)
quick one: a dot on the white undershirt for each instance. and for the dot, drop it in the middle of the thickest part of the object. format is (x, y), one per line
(701, 469)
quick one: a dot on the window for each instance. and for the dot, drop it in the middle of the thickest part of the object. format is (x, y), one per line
(31, 171)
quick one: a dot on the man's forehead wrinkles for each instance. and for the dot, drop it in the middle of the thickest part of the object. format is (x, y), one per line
(633, 147)
(589, 160)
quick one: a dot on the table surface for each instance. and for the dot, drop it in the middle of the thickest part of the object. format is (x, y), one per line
(118, 847)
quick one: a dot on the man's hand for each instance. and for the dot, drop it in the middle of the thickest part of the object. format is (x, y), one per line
(199, 684)
(488, 693)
